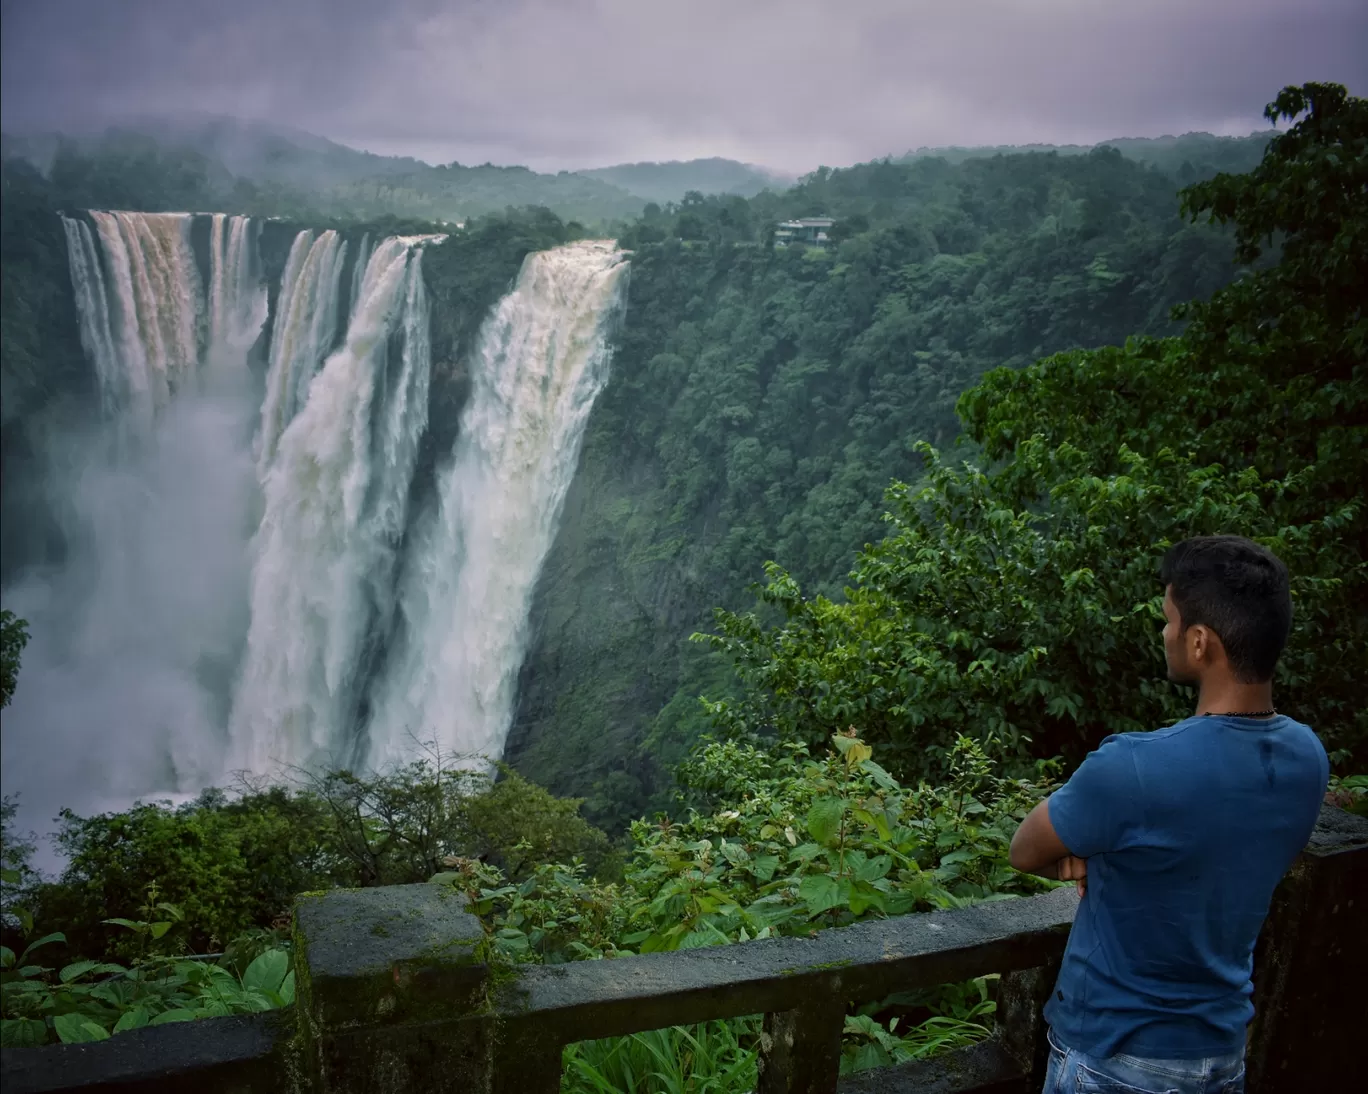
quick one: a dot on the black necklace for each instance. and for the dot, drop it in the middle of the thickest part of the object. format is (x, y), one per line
(1240, 714)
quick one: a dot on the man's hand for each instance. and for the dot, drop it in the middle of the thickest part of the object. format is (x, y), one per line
(1075, 869)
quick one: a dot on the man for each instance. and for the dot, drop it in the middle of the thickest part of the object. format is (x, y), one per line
(1176, 839)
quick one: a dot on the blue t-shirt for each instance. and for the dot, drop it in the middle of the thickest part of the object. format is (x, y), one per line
(1187, 831)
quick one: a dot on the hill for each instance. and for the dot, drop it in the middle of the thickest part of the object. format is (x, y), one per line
(662, 182)
(456, 193)
(1204, 153)
(245, 166)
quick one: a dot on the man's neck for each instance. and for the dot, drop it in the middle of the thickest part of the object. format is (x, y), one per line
(1234, 697)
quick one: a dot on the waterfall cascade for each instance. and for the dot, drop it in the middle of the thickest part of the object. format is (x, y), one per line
(237, 293)
(246, 586)
(303, 334)
(335, 506)
(542, 358)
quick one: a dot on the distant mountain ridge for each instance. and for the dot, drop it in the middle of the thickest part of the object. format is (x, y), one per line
(1168, 153)
(671, 180)
(287, 168)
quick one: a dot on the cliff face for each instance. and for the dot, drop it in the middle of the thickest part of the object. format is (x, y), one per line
(610, 620)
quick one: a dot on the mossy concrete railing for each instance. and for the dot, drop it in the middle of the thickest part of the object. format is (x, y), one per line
(394, 997)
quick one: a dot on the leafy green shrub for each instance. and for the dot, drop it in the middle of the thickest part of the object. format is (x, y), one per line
(90, 1000)
(780, 844)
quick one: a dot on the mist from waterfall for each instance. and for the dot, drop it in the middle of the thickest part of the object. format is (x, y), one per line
(136, 635)
(541, 360)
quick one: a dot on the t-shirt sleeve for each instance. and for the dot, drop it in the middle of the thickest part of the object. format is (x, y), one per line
(1094, 810)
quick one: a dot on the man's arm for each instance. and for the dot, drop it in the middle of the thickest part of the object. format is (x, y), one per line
(1096, 811)
(1037, 849)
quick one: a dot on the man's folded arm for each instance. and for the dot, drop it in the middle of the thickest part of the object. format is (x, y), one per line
(1089, 815)
(1036, 847)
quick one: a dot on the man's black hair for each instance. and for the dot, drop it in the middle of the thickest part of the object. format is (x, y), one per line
(1239, 590)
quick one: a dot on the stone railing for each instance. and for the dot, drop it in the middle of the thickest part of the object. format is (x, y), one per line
(394, 998)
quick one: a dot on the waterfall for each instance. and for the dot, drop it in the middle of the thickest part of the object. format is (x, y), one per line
(137, 635)
(336, 498)
(237, 295)
(304, 332)
(92, 310)
(541, 360)
(358, 271)
(155, 303)
(245, 586)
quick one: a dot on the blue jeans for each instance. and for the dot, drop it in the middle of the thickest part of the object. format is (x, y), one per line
(1073, 1072)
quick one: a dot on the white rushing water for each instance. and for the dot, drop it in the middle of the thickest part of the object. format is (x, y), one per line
(136, 635)
(336, 499)
(304, 331)
(155, 299)
(92, 310)
(237, 293)
(363, 256)
(542, 358)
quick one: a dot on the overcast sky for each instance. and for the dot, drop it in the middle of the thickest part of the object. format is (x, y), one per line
(574, 83)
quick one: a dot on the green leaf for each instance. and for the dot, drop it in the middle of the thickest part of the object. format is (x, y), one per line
(159, 929)
(131, 1019)
(180, 1014)
(267, 972)
(55, 936)
(22, 1032)
(132, 925)
(6, 957)
(881, 777)
(875, 868)
(79, 968)
(77, 1029)
(287, 988)
(763, 866)
(824, 818)
(819, 892)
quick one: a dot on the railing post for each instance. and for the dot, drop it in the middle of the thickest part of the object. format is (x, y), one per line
(1020, 1024)
(525, 1058)
(1310, 967)
(390, 992)
(800, 1049)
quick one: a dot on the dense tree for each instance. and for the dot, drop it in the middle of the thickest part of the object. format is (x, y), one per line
(1021, 603)
(763, 397)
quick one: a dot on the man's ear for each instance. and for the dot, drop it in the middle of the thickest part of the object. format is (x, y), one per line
(1205, 644)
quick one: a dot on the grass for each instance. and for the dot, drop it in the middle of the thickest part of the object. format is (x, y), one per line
(720, 1057)
(710, 1058)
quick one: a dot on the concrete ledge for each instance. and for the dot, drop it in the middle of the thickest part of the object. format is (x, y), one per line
(242, 1054)
(586, 1000)
(393, 954)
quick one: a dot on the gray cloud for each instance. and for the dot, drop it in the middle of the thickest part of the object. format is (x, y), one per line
(570, 83)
